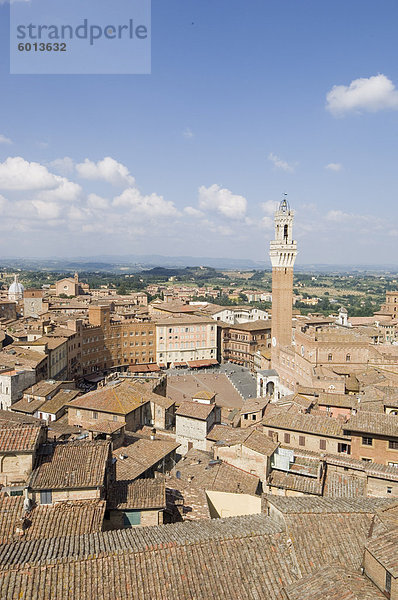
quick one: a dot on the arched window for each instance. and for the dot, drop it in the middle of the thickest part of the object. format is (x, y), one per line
(330, 357)
(348, 358)
(285, 232)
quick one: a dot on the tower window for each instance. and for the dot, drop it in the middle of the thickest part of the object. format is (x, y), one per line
(285, 232)
(348, 358)
(330, 357)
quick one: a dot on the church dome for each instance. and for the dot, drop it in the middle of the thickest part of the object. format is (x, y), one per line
(16, 290)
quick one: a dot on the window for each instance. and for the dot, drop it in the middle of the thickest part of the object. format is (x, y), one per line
(392, 445)
(389, 490)
(367, 441)
(95, 414)
(344, 448)
(301, 440)
(131, 517)
(115, 417)
(253, 417)
(322, 444)
(393, 464)
(330, 357)
(366, 459)
(388, 582)
(46, 497)
(348, 358)
(286, 438)
(246, 417)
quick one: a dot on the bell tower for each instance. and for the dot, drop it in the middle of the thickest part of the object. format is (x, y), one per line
(283, 252)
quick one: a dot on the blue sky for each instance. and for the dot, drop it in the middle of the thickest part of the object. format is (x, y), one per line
(241, 106)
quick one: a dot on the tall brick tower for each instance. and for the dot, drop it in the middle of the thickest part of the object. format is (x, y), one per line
(283, 252)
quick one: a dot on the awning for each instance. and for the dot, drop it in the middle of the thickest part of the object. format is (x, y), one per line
(202, 363)
(180, 364)
(147, 368)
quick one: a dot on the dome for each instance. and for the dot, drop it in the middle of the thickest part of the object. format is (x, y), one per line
(16, 290)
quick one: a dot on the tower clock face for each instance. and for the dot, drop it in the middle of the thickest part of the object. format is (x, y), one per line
(274, 341)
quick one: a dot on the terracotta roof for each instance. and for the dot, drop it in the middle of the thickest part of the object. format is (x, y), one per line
(19, 438)
(198, 469)
(375, 423)
(293, 481)
(333, 583)
(46, 521)
(121, 397)
(333, 539)
(103, 426)
(340, 485)
(244, 568)
(27, 406)
(309, 505)
(260, 442)
(141, 494)
(203, 395)
(326, 426)
(138, 539)
(141, 454)
(43, 388)
(7, 417)
(338, 400)
(253, 405)
(61, 399)
(195, 410)
(70, 465)
(384, 549)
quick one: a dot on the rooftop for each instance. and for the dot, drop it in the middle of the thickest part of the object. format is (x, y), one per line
(140, 455)
(47, 521)
(307, 423)
(120, 397)
(142, 494)
(19, 437)
(195, 410)
(78, 464)
(375, 423)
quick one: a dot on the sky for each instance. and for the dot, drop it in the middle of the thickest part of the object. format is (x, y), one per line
(247, 100)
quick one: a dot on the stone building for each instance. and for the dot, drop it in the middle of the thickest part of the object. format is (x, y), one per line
(19, 443)
(12, 384)
(240, 343)
(76, 470)
(33, 303)
(194, 421)
(374, 437)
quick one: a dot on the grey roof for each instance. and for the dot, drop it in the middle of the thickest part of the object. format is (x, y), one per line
(137, 539)
(303, 504)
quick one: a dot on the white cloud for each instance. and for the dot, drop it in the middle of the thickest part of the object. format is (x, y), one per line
(63, 166)
(269, 207)
(46, 210)
(107, 169)
(19, 174)
(266, 223)
(222, 201)
(334, 167)
(364, 94)
(4, 139)
(193, 212)
(67, 191)
(152, 206)
(279, 163)
(188, 133)
(97, 202)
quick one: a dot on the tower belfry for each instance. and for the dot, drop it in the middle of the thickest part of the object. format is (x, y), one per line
(283, 252)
